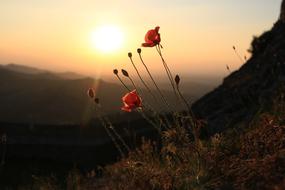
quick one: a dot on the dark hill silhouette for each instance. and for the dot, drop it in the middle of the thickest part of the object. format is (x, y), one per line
(259, 85)
(47, 98)
(30, 95)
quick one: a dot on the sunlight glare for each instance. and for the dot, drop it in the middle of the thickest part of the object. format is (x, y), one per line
(107, 38)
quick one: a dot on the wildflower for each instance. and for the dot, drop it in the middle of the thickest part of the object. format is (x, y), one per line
(152, 38)
(131, 101)
(91, 92)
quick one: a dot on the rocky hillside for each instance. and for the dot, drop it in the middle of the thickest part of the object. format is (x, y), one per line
(259, 85)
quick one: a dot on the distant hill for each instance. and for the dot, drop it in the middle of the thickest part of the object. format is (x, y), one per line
(32, 70)
(47, 98)
(23, 69)
(29, 94)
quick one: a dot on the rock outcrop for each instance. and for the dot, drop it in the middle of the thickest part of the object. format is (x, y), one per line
(259, 85)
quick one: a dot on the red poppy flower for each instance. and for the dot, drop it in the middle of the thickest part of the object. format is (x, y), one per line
(152, 38)
(131, 101)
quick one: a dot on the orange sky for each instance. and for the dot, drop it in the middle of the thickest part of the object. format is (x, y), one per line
(197, 35)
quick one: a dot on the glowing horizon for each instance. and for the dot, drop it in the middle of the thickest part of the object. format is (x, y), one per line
(197, 36)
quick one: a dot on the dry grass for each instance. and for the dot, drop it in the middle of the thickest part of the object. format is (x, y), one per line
(254, 159)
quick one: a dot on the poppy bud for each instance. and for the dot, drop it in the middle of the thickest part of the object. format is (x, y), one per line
(91, 93)
(139, 50)
(177, 79)
(125, 73)
(228, 68)
(130, 54)
(234, 47)
(96, 100)
(115, 71)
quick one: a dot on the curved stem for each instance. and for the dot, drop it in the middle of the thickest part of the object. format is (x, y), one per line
(103, 122)
(123, 83)
(188, 107)
(148, 89)
(117, 134)
(169, 74)
(112, 137)
(133, 84)
(156, 86)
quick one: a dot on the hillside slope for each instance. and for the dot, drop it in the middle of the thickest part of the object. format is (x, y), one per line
(257, 86)
(47, 98)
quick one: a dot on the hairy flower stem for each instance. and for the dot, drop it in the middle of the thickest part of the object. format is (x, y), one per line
(170, 77)
(148, 120)
(185, 101)
(140, 77)
(156, 86)
(163, 98)
(112, 137)
(117, 134)
(168, 72)
(123, 83)
(134, 85)
(107, 129)
(192, 118)
(110, 125)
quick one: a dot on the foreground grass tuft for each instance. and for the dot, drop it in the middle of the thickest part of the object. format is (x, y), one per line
(253, 159)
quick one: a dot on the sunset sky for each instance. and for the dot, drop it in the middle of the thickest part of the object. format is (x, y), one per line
(197, 35)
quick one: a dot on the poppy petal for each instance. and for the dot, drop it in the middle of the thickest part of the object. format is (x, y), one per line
(148, 44)
(127, 109)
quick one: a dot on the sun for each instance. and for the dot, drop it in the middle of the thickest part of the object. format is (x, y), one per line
(107, 38)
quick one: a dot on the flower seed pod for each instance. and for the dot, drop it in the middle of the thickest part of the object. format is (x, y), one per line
(228, 68)
(115, 71)
(125, 73)
(177, 79)
(234, 47)
(130, 54)
(91, 92)
(139, 50)
(96, 100)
